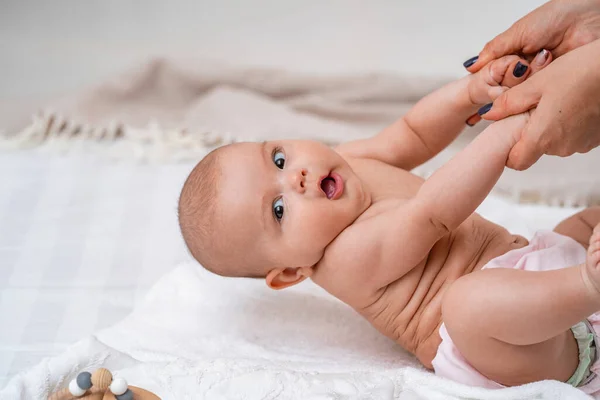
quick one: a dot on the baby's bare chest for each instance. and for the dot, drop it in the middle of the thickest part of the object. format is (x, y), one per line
(409, 310)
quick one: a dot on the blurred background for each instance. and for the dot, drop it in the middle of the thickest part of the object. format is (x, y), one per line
(49, 47)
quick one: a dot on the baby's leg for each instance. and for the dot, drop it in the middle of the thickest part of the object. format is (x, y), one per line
(513, 326)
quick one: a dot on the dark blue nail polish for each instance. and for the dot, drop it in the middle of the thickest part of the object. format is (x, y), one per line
(485, 109)
(470, 61)
(519, 70)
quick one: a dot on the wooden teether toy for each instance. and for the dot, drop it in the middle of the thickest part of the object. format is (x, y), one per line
(101, 386)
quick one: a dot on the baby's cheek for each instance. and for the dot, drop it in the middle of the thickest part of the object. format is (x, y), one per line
(323, 225)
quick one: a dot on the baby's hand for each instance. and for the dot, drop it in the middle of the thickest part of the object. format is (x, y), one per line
(503, 73)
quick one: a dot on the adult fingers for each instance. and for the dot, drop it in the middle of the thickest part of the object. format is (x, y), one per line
(528, 149)
(523, 155)
(508, 42)
(473, 119)
(516, 100)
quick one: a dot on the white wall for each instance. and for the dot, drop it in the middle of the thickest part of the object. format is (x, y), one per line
(48, 47)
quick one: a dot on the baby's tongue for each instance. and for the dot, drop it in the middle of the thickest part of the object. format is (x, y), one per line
(328, 186)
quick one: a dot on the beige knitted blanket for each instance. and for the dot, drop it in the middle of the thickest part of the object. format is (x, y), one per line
(169, 110)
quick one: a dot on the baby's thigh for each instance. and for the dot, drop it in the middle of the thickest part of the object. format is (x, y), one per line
(505, 363)
(580, 226)
(512, 365)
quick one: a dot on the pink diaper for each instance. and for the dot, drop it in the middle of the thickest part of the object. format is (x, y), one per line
(546, 251)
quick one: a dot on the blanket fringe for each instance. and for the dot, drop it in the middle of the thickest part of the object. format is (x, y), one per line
(154, 144)
(52, 131)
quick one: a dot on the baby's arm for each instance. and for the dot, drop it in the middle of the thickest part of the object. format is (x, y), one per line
(401, 239)
(455, 190)
(436, 120)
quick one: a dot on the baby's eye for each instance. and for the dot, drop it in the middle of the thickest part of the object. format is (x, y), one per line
(279, 158)
(278, 209)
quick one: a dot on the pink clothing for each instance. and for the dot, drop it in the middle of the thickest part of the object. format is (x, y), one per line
(546, 251)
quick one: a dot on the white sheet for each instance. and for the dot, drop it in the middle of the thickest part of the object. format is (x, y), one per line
(83, 239)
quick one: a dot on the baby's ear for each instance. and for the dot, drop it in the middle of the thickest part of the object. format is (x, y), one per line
(281, 278)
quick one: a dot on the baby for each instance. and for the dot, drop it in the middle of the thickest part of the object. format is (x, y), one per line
(410, 255)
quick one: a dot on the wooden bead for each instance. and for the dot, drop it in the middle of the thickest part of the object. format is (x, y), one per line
(101, 379)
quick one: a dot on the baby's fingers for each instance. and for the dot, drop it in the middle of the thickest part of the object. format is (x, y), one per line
(509, 71)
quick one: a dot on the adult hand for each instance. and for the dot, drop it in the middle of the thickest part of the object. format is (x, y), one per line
(567, 118)
(558, 26)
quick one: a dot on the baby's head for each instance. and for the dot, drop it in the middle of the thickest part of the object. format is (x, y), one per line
(268, 210)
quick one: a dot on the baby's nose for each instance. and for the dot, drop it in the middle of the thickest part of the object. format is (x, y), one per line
(297, 180)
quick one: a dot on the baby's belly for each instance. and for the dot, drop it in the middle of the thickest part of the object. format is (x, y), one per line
(468, 249)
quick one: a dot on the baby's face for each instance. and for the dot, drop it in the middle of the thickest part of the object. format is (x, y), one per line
(283, 202)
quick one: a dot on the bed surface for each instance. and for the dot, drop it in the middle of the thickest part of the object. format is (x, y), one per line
(83, 238)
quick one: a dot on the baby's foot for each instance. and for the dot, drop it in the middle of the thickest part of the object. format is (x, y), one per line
(592, 263)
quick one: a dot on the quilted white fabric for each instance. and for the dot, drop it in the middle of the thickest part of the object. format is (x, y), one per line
(81, 240)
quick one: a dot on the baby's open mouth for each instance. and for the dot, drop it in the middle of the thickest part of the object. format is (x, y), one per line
(333, 186)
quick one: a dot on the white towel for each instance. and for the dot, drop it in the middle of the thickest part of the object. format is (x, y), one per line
(201, 336)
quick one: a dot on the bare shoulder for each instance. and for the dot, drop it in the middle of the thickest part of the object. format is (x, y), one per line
(347, 267)
(376, 251)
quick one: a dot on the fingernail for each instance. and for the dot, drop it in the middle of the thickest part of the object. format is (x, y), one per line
(519, 70)
(541, 57)
(473, 119)
(470, 61)
(485, 109)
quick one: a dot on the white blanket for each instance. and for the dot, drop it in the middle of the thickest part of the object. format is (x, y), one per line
(197, 335)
